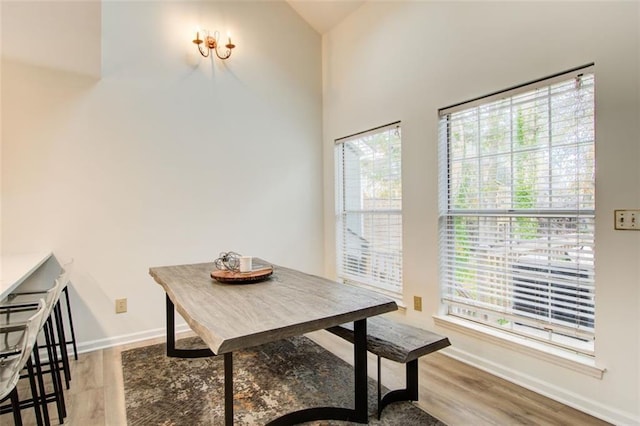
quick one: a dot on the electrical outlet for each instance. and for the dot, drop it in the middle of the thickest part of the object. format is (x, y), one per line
(627, 220)
(417, 303)
(121, 306)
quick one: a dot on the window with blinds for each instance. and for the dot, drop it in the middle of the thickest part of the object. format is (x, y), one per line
(369, 208)
(517, 184)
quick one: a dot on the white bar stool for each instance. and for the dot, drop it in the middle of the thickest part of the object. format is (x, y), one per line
(18, 342)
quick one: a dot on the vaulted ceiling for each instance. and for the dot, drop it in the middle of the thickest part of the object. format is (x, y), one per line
(323, 15)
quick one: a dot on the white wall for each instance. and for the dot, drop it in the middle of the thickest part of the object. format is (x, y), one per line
(168, 157)
(403, 60)
(0, 138)
(54, 34)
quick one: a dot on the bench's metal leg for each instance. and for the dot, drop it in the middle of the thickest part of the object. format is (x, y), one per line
(412, 380)
(410, 393)
(228, 389)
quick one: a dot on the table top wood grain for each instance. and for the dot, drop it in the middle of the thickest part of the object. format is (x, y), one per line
(229, 317)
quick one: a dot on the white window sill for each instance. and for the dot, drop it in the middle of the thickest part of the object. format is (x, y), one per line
(395, 296)
(574, 361)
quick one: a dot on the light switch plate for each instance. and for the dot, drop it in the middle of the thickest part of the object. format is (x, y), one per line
(627, 220)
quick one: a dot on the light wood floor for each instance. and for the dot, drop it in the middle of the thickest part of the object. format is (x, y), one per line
(452, 391)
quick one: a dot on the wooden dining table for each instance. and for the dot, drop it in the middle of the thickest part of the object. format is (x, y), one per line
(230, 317)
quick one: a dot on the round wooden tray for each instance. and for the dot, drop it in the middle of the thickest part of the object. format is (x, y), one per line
(231, 277)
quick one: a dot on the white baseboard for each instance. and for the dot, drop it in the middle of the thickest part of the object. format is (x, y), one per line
(124, 339)
(589, 406)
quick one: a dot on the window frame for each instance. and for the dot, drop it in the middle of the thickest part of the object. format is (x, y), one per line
(391, 283)
(448, 213)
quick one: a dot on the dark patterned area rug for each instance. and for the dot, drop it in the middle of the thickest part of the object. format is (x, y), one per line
(269, 380)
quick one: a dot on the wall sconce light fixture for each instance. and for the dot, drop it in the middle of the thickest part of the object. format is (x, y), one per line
(212, 43)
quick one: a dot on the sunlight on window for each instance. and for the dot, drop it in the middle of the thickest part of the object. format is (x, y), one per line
(517, 217)
(369, 209)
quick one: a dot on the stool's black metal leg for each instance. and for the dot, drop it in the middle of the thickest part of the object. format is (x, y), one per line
(34, 392)
(73, 332)
(228, 389)
(15, 406)
(43, 391)
(54, 370)
(62, 342)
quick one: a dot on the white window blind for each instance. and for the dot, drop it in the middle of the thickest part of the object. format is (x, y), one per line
(369, 208)
(517, 184)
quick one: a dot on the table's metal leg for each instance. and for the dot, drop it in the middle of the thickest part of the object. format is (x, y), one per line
(228, 389)
(360, 371)
(171, 338)
(171, 326)
(379, 386)
(201, 353)
(358, 414)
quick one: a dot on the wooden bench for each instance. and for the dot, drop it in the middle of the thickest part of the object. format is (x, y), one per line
(400, 343)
